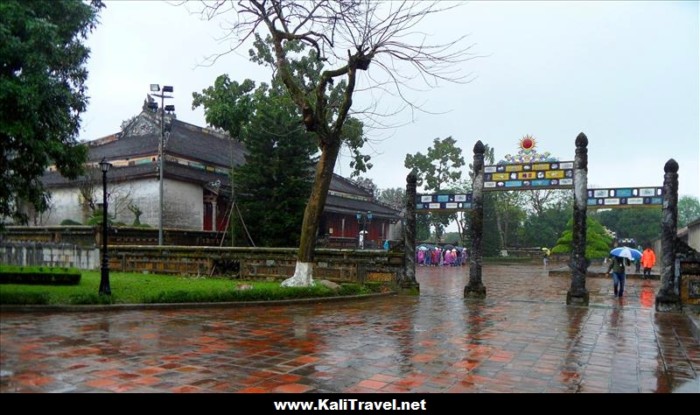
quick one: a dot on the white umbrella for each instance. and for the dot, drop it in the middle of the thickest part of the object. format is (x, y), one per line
(627, 252)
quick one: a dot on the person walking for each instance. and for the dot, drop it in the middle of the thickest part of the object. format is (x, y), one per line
(648, 261)
(617, 268)
(638, 261)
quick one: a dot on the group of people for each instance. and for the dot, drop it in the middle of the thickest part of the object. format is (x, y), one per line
(441, 257)
(617, 269)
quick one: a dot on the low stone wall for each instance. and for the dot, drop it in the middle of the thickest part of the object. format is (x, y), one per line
(49, 254)
(84, 236)
(338, 265)
(91, 236)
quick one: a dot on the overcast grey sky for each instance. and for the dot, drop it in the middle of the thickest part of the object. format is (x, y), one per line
(627, 74)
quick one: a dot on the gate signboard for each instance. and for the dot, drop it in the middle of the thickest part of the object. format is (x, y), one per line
(624, 197)
(529, 176)
(444, 202)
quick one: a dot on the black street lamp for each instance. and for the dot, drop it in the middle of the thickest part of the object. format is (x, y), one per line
(104, 280)
(363, 219)
(161, 146)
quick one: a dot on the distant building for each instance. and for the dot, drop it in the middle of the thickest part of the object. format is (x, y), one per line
(197, 189)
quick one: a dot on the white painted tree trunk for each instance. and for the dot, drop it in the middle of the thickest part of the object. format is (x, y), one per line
(303, 276)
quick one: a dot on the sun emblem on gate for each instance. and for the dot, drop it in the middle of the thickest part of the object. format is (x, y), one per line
(527, 153)
(528, 143)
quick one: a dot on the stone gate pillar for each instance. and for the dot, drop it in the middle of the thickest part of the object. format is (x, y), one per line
(578, 294)
(668, 297)
(475, 287)
(408, 280)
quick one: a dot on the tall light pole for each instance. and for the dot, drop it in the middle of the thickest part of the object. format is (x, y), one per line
(161, 147)
(104, 280)
(363, 219)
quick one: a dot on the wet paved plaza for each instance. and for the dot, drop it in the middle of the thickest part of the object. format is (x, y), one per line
(522, 338)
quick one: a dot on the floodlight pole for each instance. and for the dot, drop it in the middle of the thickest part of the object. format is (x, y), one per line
(161, 154)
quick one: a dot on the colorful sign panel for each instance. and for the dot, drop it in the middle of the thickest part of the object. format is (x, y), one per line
(624, 197)
(529, 176)
(443, 202)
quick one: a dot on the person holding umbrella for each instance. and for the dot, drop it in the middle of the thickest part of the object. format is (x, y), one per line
(621, 257)
(545, 256)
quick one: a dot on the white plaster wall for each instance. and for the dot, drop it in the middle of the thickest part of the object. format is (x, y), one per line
(146, 197)
(182, 204)
(65, 204)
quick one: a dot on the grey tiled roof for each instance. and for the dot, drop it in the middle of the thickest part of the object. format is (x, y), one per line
(338, 204)
(343, 185)
(172, 171)
(190, 142)
(185, 140)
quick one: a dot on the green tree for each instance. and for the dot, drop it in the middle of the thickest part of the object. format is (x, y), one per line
(42, 95)
(544, 229)
(227, 104)
(271, 188)
(435, 171)
(688, 210)
(423, 228)
(642, 224)
(598, 242)
(491, 234)
(347, 36)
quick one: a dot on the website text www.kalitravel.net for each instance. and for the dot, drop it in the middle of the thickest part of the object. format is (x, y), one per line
(349, 404)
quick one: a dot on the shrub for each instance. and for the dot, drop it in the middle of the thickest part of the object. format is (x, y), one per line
(69, 222)
(39, 275)
(24, 298)
(91, 298)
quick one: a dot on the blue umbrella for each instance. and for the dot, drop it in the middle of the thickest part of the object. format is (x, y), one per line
(627, 252)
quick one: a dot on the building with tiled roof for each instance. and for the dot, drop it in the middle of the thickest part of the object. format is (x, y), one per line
(196, 186)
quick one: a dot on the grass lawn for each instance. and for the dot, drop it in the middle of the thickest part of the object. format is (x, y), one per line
(134, 288)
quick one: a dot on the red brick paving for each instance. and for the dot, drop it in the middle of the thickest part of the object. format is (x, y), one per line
(521, 338)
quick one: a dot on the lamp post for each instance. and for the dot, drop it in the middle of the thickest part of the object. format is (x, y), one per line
(161, 146)
(363, 219)
(104, 280)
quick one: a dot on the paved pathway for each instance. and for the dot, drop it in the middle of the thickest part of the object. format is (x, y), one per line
(522, 338)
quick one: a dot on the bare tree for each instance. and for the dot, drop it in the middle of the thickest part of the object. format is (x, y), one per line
(367, 184)
(539, 200)
(87, 186)
(90, 188)
(347, 37)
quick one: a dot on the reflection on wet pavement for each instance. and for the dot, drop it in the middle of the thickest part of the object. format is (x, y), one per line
(521, 338)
